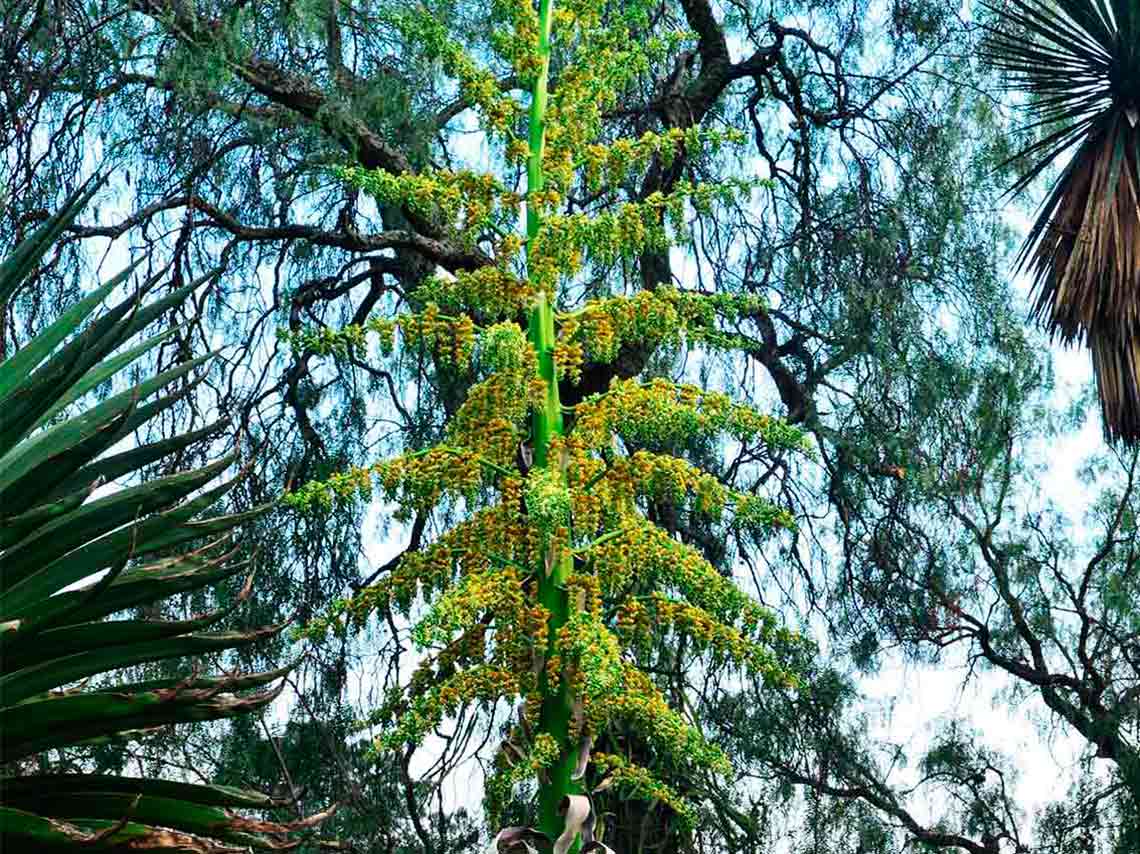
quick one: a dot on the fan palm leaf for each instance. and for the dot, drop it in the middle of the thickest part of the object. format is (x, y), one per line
(59, 651)
(1079, 62)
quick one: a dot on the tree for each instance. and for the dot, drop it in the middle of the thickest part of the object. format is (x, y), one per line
(555, 582)
(1079, 63)
(879, 135)
(53, 627)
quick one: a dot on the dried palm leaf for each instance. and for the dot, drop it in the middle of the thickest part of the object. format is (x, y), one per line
(1079, 61)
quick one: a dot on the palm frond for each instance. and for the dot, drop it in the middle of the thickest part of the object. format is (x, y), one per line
(1079, 63)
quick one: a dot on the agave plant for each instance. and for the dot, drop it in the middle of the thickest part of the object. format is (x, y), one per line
(1079, 63)
(58, 650)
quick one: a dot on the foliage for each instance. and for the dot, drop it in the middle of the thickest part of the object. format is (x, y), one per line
(71, 558)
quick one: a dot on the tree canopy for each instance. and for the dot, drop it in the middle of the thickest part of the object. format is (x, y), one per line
(830, 179)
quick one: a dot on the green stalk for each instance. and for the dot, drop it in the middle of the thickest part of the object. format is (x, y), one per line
(557, 703)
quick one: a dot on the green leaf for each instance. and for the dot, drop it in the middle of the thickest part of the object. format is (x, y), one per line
(24, 257)
(39, 391)
(150, 582)
(117, 465)
(52, 644)
(15, 528)
(48, 785)
(15, 687)
(54, 537)
(101, 373)
(181, 815)
(54, 448)
(15, 369)
(63, 719)
(25, 568)
(25, 831)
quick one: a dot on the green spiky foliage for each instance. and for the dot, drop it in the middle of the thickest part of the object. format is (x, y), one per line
(1079, 62)
(58, 650)
(556, 579)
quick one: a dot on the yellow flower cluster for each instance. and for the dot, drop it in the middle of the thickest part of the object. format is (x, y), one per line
(497, 535)
(326, 341)
(588, 650)
(449, 338)
(419, 480)
(709, 632)
(663, 476)
(664, 315)
(586, 89)
(623, 231)
(610, 165)
(661, 413)
(603, 325)
(416, 481)
(487, 634)
(647, 556)
(350, 485)
(429, 709)
(636, 782)
(510, 770)
(491, 291)
(497, 590)
(642, 704)
(515, 37)
(491, 417)
(466, 201)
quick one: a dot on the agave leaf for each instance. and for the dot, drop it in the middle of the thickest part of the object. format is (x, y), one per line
(117, 465)
(54, 537)
(16, 528)
(15, 687)
(138, 585)
(149, 536)
(52, 448)
(132, 419)
(16, 267)
(40, 391)
(24, 567)
(60, 643)
(64, 719)
(229, 682)
(160, 531)
(25, 831)
(15, 369)
(102, 372)
(49, 785)
(178, 814)
(24, 404)
(182, 815)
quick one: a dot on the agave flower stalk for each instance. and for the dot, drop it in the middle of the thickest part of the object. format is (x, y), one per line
(557, 707)
(554, 584)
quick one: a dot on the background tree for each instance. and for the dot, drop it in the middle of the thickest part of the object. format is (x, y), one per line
(877, 247)
(547, 588)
